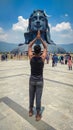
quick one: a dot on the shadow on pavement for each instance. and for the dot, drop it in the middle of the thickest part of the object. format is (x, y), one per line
(41, 125)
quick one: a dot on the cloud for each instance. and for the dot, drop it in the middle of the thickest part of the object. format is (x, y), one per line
(1, 30)
(62, 33)
(16, 33)
(66, 15)
(21, 25)
(61, 27)
(3, 35)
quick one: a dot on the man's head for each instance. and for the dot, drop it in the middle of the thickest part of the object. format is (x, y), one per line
(37, 49)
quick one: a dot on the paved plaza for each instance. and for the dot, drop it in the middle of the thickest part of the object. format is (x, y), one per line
(57, 98)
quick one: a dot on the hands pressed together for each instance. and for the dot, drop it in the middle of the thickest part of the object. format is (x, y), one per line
(38, 35)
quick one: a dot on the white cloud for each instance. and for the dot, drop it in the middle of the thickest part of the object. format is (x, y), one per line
(66, 15)
(1, 30)
(15, 36)
(3, 35)
(16, 33)
(62, 33)
(21, 25)
(62, 26)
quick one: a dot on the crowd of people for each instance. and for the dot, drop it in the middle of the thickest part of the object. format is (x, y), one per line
(4, 57)
(15, 56)
(66, 59)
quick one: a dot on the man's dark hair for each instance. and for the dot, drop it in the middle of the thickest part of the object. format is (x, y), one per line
(37, 49)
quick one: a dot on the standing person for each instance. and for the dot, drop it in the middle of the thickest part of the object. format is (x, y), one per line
(36, 78)
(47, 58)
(53, 61)
(70, 63)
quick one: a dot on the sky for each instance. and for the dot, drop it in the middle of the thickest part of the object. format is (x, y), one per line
(14, 15)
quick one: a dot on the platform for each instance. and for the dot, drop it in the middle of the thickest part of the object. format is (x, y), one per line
(57, 98)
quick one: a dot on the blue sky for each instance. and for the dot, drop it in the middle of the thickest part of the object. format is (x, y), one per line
(14, 15)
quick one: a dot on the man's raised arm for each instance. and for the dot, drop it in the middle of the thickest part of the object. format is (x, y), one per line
(44, 45)
(30, 54)
(45, 49)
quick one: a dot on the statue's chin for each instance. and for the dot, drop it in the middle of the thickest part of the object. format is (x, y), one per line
(35, 28)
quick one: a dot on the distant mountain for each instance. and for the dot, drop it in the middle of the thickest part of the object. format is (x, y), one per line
(14, 48)
(58, 48)
(7, 47)
(67, 47)
(50, 47)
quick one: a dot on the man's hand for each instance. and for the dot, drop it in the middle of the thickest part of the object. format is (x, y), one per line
(38, 35)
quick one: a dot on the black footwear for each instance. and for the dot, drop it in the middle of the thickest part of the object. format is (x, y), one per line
(31, 112)
(38, 116)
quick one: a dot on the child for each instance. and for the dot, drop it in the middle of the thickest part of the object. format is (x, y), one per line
(70, 63)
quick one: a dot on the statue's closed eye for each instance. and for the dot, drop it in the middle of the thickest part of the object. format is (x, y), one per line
(34, 18)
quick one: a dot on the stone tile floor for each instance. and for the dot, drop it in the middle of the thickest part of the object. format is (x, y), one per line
(57, 98)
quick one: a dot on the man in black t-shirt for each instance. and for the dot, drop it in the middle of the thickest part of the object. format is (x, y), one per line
(36, 78)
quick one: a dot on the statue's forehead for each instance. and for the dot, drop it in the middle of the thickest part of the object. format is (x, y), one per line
(38, 14)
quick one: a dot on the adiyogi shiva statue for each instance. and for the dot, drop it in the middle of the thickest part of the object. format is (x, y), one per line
(38, 21)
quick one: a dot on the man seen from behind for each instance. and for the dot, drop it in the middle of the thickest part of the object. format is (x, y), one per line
(37, 60)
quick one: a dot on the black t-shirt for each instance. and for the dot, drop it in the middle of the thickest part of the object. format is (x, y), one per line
(37, 65)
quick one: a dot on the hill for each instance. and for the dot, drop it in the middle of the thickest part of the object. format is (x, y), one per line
(67, 47)
(7, 47)
(50, 47)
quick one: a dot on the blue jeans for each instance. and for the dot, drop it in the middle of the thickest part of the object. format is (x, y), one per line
(35, 89)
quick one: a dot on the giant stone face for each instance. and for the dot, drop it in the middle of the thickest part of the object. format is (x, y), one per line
(38, 21)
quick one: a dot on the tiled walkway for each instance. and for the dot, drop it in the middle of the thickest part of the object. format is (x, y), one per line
(57, 98)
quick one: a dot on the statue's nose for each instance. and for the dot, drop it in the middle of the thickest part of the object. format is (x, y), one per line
(38, 22)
